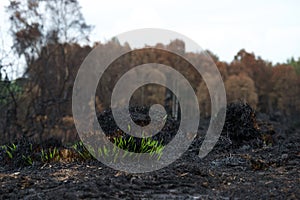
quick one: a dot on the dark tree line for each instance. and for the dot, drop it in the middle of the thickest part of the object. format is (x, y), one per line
(48, 35)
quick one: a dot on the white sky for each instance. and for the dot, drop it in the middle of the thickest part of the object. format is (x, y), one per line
(270, 28)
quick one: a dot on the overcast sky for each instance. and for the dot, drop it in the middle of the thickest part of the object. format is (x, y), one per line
(270, 28)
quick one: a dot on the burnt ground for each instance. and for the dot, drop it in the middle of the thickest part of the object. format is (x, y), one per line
(264, 166)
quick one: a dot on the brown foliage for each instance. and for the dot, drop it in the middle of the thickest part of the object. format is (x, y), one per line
(285, 88)
(241, 87)
(44, 107)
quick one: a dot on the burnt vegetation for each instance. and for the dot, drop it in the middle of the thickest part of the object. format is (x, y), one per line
(261, 130)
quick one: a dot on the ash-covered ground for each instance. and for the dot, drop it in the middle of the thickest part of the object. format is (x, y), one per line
(255, 157)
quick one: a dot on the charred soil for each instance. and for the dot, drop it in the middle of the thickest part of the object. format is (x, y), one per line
(255, 157)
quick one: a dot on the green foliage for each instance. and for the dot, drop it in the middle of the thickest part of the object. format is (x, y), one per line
(129, 145)
(83, 152)
(9, 154)
(28, 160)
(295, 64)
(12, 151)
(143, 145)
(51, 154)
(9, 90)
